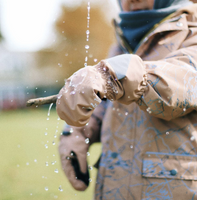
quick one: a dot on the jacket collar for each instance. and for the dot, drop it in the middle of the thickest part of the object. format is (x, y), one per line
(174, 22)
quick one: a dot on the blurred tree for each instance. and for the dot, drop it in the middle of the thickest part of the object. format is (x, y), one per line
(69, 53)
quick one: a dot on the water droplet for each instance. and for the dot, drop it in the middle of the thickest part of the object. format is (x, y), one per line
(87, 32)
(59, 64)
(90, 167)
(56, 170)
(50, 109)
(87, 47)
(148, 110)
(47, 164)
(88, 154)
(60, 188)
(71, 130)
(192, 138)
(35, 160)
(126, 113)
(95, 60)
(53, 142)
(53, 163)
(18, 165)
(59, 97)
(73, 92)
(46, 133)
(46, 146)
(55, 136)
(129, 97)
(87, 124)
(167, 133)
(131, 146)
(87, 140)
(27, 163)
(184, 109)
(90, 180)
(46, 188)
(86, 58)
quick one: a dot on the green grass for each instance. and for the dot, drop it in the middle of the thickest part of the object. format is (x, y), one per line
(23, 156)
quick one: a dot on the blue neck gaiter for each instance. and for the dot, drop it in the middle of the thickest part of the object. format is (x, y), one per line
(136, 24)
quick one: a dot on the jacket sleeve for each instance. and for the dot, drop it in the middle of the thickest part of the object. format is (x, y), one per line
(166, 88)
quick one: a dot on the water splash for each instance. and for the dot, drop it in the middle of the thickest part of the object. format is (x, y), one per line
(87, 33)
(49, 109)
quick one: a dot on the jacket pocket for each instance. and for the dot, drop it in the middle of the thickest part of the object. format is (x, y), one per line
(169, 176)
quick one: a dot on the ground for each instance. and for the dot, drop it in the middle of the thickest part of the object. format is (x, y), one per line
(30, 166)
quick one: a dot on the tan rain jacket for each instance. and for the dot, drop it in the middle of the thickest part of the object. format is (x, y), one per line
(149, 147)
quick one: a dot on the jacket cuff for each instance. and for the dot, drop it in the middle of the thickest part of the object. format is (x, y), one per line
(132, 77)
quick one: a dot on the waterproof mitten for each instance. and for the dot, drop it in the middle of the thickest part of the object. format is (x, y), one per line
(73, 148)
(122, 78)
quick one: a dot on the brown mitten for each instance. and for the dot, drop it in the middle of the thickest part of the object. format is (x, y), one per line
(73, 148)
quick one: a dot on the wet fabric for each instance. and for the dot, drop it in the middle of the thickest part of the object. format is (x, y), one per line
(144, 156)
(136, 24)
(149, 135)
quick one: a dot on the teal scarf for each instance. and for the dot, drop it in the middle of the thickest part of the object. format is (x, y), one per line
(136, 24)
